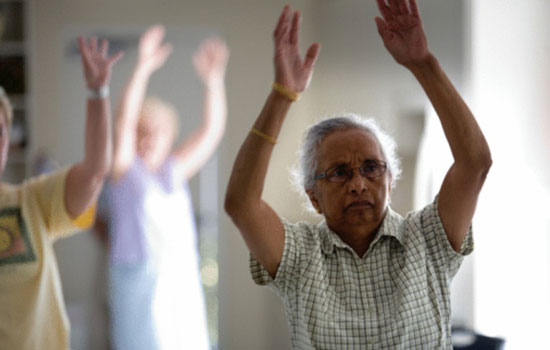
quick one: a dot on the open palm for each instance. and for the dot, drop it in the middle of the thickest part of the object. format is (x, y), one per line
(97, 64)
(210, 60)
(401, 31)
(290, 69)
(152, 52)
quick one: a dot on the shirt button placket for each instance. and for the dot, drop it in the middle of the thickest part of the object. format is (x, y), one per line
(367, 288)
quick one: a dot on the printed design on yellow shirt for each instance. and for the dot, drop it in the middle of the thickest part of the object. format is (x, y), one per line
(15, 245)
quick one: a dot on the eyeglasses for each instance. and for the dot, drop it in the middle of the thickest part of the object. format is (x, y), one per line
(370, 168)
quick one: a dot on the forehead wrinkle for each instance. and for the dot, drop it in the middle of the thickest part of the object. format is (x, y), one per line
(348, 149)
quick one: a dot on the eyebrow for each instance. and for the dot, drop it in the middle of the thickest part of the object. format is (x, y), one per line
(337, 164)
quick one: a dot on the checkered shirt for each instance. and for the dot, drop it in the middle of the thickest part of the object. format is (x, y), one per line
(395, 297)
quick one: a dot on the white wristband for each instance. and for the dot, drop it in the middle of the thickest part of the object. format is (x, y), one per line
(101, 92)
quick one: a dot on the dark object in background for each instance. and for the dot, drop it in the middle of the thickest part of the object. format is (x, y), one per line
(465, 339)
(12, 74)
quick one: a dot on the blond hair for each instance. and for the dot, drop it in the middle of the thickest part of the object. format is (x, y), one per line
(160, 110)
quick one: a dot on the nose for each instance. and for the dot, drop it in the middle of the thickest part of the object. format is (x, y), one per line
(358, 183)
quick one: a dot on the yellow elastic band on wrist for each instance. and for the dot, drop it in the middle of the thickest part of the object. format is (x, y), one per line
(270, 139)
(286, 92)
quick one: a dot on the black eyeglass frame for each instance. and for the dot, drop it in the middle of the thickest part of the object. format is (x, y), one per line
(380, 164)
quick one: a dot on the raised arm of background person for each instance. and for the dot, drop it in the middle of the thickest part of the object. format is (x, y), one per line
(403, 35)
(85, 179)
(152, 53)
(210, 62)
(260, 226)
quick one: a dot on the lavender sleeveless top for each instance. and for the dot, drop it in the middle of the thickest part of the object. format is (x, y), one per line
(148, 211)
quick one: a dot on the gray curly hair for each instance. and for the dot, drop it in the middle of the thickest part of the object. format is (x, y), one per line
(304, 174)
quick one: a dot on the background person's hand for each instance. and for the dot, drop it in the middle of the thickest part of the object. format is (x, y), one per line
(210, 60)
(97, 65)
(401, 31)
(291, 70)
(152, 52)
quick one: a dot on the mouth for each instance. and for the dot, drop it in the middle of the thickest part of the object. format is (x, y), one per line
(360, 205)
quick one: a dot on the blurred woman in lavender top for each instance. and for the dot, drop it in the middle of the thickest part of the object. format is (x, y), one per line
(151, 225)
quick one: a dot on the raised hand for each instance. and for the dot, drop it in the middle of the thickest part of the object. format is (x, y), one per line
(402, 32)
(210, 60)
(290, 70)
(97, 65)
(152, 53)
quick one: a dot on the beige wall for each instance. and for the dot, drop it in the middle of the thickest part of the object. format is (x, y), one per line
(353, 74)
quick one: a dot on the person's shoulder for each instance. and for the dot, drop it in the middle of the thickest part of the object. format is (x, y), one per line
(304, 227)
(309, 234)
(44, 179)
(419, 223)
(423, 213)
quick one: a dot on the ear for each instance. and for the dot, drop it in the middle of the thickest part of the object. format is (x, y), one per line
(314, 200)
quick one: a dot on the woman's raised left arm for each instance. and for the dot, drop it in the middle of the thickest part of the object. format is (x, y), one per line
(403, 35)
(210, 62)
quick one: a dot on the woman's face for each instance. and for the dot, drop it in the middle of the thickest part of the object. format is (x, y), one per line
(154, 140)
(360, 202)
(4, 141)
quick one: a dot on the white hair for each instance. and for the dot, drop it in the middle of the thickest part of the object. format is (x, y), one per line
(303, 175)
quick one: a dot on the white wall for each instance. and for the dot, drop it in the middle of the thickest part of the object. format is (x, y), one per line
(354, 73)
(511, 87)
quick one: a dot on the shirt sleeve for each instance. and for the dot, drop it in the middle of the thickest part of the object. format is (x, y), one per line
(286, 276)
(49, 193)
(438, 246)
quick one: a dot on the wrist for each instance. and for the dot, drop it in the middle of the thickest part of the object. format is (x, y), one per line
(286, 92)
(98, 92)
(213, 83)
(144, 70)
(427, 64)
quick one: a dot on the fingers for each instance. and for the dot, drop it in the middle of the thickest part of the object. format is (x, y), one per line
(287, 29)
(115, 58)
(295, 28)
(281, 23)
(93, 44)
(394, 8)
(383, 29)
(384, 9)
(212, 52)
(84, 53)
(104, 48)
(311, 55)
(403, 9)
(154, 33)
(414, 8)
(151, 40)
(165, 50)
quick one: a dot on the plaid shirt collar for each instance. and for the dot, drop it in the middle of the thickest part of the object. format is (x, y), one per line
(390, 227)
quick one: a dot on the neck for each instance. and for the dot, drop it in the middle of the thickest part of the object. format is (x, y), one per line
(360, 237)
(359, 241)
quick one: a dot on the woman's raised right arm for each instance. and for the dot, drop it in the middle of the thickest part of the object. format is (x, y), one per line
(258, 223)
(152, 54)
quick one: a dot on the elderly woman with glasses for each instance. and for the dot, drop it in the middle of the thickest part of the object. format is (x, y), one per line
(365, 277)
